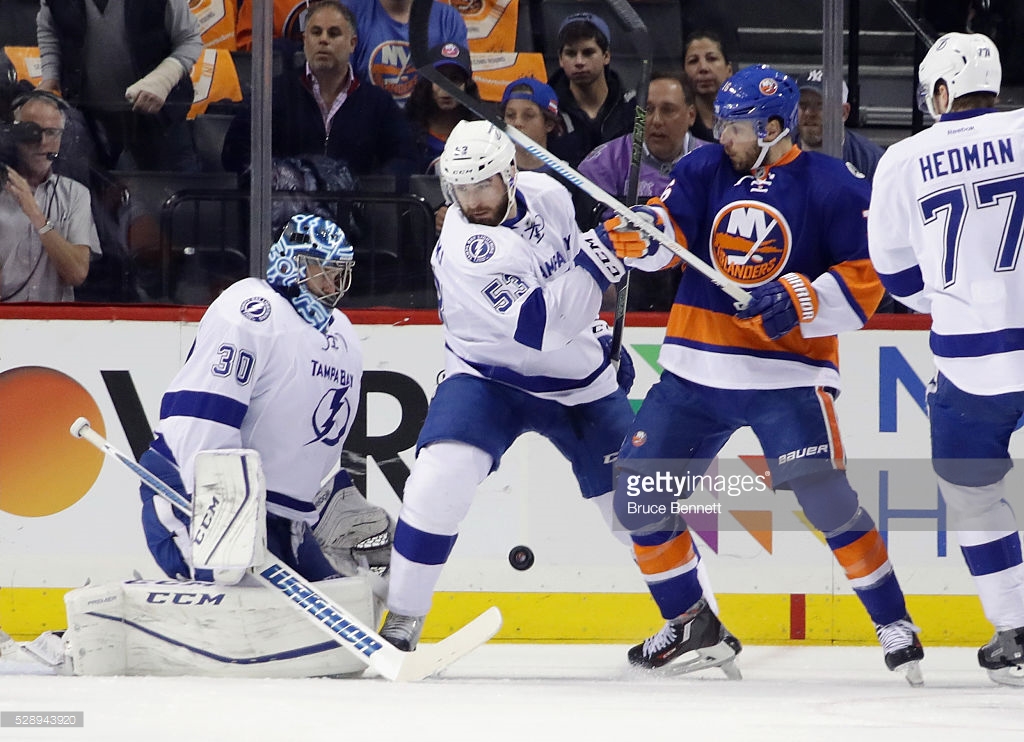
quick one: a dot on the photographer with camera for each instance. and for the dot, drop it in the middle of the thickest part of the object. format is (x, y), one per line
(47, 233)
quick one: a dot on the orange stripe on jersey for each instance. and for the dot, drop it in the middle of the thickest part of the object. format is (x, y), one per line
(664, 557)
(725, 330)
(862, 282)
(864, 556)
(828, 407)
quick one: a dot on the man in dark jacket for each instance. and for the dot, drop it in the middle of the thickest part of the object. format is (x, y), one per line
(324, 109)
(595, 107)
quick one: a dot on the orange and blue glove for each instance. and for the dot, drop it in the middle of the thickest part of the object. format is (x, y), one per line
(781, 305)
(623, 237)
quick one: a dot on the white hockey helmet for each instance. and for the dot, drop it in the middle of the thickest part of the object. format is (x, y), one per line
(475, 151)
(965, 62)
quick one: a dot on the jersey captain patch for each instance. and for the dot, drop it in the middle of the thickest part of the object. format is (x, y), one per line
(479, 248)
(255, 308)
(750, 242)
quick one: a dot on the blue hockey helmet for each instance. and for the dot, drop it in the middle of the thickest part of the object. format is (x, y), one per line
(758, 93)
(311, 246)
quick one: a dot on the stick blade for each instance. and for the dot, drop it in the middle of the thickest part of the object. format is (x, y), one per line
(430, 658)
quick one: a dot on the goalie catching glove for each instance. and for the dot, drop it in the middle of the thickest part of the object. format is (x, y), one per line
(352, 532)
(779, 306)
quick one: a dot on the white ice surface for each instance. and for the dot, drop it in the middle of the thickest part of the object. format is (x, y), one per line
(537, 693)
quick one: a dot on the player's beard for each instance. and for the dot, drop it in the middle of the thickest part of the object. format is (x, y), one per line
(487, 216)
(743, 158)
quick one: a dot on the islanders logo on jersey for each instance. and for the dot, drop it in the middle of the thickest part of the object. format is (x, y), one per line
(391, 68)
(750, 242)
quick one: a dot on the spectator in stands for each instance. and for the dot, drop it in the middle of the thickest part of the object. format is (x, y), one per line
(383, 57)
(707, 66)
(323, 108)
(594, 104)
(432, 112)
(715, 17)
(667, 138)
(858, 150)
(47, 234)
(532, 107)
(126, 65)
(289, 21)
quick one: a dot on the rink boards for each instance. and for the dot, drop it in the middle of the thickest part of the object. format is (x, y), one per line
(67, 517)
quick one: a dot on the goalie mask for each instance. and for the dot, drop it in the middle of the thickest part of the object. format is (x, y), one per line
(311, 264)
(758, 94)
(475, 151)
(965, 62)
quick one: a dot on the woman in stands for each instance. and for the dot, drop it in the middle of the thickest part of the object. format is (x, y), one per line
(432, 112)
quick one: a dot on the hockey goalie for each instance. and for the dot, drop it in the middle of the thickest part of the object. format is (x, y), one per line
(250, 436)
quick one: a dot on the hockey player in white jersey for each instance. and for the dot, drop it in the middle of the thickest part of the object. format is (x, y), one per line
(276, 368)
(519, 290)
(945, 232)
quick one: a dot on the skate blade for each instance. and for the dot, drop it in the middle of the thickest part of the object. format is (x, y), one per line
(912, 672)
(720, 655)
(1013, 676)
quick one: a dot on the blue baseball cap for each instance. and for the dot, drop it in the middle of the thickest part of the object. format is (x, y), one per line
(450, 53)
(596, 21)
(540, 93)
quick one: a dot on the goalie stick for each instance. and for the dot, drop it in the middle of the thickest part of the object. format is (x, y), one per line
(637, 32)
(350, 633)
(418, 21)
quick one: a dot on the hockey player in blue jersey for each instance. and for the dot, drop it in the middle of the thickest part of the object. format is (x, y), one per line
(944, 233)
(275, 367)
(519, 291)
(790, 227)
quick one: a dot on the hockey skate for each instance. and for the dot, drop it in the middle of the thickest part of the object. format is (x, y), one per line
(1003, 657)
(692, 642)
(402, 631)
(903, 650)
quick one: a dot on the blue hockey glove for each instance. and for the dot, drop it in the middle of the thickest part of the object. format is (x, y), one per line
(626, 372)
(782, 305)
(624, 239)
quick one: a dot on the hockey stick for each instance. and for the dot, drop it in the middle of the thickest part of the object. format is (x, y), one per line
(641, 39)
(418, 21)
(347, 630)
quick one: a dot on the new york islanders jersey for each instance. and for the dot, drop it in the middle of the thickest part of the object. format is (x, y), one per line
(259, 376)
(515, 306)
(806, 214)
(947, 216)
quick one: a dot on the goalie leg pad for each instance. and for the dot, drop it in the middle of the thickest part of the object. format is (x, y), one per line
(166, 627)
(229, 513)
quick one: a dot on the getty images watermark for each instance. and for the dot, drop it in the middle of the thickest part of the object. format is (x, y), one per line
(665, 483)
(900, 494)
(652, 489)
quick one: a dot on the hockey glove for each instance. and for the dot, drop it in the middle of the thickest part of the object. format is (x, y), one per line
(781, 305)
(623, 237)
(352, 532)
(626, 373)
(599, 260)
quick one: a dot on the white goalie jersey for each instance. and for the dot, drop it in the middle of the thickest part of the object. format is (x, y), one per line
(516, 307)
(945, 230)
(261, 377)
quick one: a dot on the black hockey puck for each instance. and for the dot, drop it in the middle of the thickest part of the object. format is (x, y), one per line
(521, 558)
